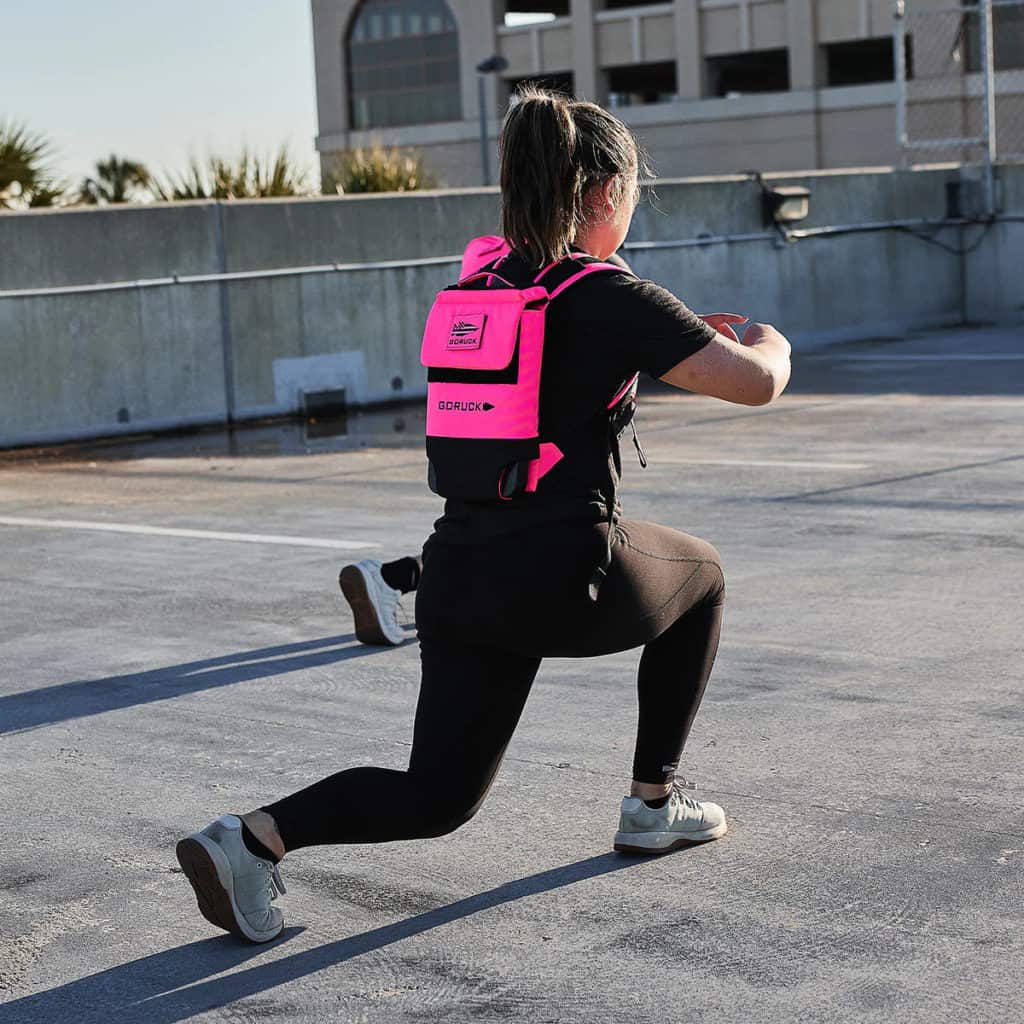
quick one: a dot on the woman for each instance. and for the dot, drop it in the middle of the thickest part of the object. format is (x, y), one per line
(504, 583)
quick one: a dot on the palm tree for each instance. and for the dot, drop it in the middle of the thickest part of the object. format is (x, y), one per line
(245, 177)
(116, 181)
(25, 177)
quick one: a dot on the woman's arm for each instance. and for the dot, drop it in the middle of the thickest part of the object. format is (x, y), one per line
(754, 372)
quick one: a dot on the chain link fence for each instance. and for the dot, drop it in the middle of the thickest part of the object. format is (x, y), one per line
(960, 75)
(1008, 46)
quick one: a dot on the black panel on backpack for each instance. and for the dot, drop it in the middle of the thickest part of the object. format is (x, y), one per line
(451, 375)
(473, 468)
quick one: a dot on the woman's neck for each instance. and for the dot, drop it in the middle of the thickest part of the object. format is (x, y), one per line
(584, 242)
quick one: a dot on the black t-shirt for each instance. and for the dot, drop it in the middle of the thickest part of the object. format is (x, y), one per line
(597, 334)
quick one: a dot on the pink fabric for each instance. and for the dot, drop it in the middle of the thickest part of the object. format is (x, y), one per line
(489, 410)
(487, 248)
(501, 311)
(550, 456)
(626, 388)
(481, 251)
(480, 330)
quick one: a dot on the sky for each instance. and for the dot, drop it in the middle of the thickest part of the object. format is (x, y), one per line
(159, 82)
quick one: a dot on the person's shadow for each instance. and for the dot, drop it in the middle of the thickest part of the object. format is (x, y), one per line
(168, 987)
(85, 697)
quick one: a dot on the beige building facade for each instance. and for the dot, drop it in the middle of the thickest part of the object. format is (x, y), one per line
(710, 86)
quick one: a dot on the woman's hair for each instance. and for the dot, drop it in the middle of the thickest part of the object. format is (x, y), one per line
(553, 150)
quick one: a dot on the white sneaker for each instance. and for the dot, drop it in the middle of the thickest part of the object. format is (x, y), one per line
(234, 887)
(680, 821)
(375, 605)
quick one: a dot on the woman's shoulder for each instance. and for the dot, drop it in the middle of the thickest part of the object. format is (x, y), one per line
(618, 292)
(632, 320)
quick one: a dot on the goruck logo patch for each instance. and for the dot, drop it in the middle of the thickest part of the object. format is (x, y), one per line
(467, 330)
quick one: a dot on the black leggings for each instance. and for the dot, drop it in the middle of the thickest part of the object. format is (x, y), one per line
(486, 616)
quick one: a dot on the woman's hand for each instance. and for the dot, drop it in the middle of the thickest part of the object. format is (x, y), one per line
(721, 323)
(765, 334)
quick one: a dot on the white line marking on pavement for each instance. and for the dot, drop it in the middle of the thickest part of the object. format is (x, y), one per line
(924, 357)
(785, 463)
(165, 531)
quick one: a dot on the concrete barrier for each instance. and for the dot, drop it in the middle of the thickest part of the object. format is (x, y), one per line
(993, 280)
(148, 358)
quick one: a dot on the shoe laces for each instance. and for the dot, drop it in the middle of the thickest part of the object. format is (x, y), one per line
(275, 885)
(677, 791)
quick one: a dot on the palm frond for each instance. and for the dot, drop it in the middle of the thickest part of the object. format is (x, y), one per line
(246, 176)
(25, 175)
(376, 169)
(117, 181)
(47, 194)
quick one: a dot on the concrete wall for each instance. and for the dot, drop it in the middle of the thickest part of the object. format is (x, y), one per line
(129, 360)
(993, 278)
(87, 365)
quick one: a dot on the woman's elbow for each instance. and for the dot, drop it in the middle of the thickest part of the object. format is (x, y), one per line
(763, 390)
(771, 384)
(780, 381)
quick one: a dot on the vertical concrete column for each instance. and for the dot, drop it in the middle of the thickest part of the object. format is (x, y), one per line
(330, 26)
(689, 52)
(478, 40)
(584, 52)
(805, 74)
(801, 31)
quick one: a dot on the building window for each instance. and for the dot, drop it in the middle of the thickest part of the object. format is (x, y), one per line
(642, 83)
(528, 18)
(403, 64)
(865, 61)
(860, 62)
(738, 73)
(1007, 39)
(531, 12)
(558, 81)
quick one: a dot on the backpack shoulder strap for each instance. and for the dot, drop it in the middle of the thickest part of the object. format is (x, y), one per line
(483, 278)
(557, 277)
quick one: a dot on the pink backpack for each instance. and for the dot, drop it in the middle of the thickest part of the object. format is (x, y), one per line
(482, 251)
(483, 348)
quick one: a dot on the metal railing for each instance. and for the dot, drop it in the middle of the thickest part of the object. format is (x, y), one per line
(699, 241)
(225, 278)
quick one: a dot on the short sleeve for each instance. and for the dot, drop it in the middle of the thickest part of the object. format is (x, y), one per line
(645, 325)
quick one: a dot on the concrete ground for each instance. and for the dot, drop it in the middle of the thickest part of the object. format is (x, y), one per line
(864, 726)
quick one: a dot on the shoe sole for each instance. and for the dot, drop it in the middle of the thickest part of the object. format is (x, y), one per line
(368, 627)
(630, 842)
(206, 867)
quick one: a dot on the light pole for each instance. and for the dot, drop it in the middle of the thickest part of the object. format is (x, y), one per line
(491, 66)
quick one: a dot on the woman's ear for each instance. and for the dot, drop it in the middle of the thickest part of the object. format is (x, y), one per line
(597, 201)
